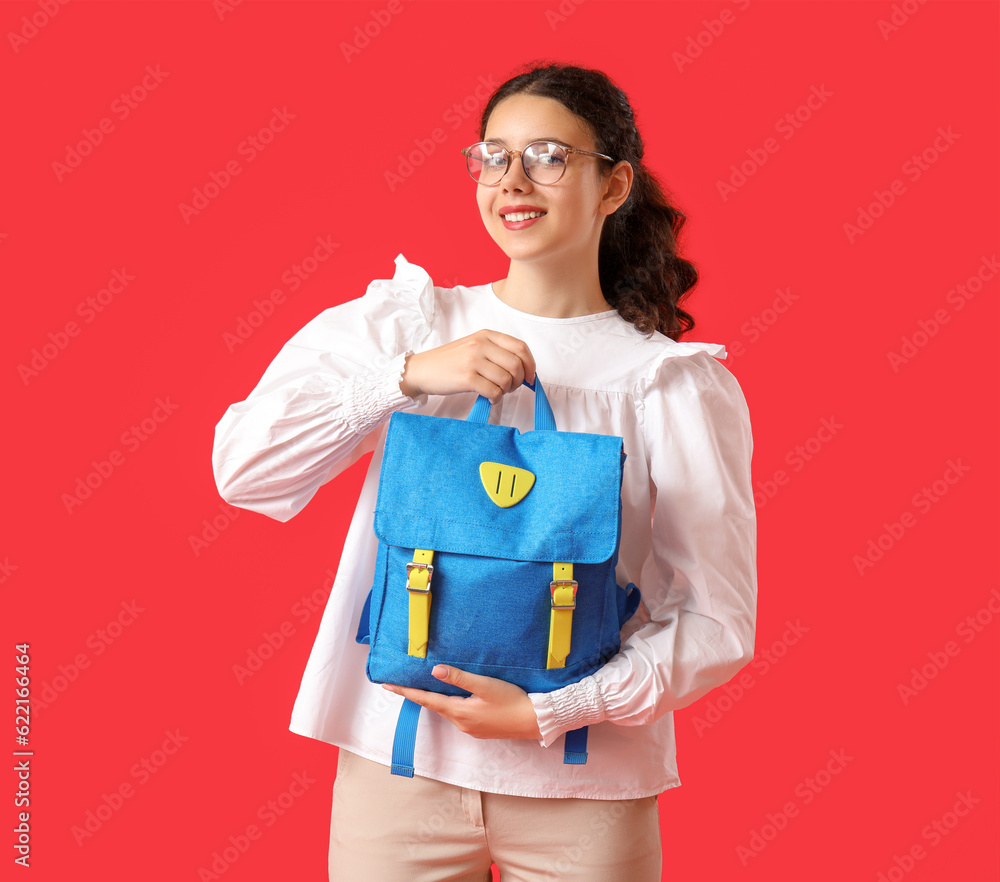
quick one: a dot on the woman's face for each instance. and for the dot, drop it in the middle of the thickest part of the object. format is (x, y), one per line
(571, 224)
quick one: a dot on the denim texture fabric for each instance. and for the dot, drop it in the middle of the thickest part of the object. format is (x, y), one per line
(491, 600)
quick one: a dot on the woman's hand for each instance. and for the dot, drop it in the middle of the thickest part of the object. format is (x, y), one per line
(487, 362)
(496, 708)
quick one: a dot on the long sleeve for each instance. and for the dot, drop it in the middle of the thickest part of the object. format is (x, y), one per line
(699, 580)
(319, 405)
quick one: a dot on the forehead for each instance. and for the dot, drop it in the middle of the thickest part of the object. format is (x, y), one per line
(522, 118)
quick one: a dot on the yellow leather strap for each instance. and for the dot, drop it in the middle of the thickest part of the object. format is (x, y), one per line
(563, 590)
(418, 585)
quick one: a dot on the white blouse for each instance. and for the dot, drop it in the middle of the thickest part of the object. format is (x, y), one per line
(324, 402)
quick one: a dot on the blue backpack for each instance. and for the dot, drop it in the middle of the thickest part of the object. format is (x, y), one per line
(497, 554)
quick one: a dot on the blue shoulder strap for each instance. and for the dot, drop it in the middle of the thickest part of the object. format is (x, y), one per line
(575, 750)
(364, 623)
(628, 602)
(405, 739)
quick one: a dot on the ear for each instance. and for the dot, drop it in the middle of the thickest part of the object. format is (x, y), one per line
(617, 186)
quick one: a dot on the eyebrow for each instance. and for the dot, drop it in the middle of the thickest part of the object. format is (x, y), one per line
(503, 143)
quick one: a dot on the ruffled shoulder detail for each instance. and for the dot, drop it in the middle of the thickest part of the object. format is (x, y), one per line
(414, 277)
(718, 350)
(410, 285)
(691, 365)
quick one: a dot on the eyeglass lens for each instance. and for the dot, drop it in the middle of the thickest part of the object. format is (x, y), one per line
(544, 162)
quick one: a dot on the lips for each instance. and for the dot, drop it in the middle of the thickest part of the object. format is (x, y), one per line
(520, 209)
(519, 224)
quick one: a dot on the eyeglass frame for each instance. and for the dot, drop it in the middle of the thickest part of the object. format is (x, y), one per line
(517, 153)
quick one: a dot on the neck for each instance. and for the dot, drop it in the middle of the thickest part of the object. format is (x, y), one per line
(565, 288)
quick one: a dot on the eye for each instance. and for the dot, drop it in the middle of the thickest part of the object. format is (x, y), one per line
(492, 155)
(546, 153)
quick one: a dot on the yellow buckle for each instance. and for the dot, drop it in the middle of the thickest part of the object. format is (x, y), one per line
(563, 583)
(419, 566)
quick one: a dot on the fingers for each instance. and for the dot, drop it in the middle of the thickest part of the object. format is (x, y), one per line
(501, 364)
(430, 700)
(487, 362)
(453, 708)
(474, 683)
(518, 355)
(495, 709)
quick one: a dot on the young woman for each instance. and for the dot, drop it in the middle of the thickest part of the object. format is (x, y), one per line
(591, 301)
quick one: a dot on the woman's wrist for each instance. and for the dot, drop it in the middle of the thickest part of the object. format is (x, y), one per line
(406, 384)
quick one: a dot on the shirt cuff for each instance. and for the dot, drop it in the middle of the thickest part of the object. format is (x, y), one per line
(571, 707)
(372, 398)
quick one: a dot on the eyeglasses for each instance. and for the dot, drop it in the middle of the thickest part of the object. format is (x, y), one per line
(544, 162)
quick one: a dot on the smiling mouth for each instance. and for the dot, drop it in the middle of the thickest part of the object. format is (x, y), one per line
(516, 216)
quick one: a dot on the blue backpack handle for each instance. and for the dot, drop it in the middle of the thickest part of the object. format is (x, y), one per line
(544, 420)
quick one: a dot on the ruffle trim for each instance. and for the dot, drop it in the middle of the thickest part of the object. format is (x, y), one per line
(371, 399)
(573, 706)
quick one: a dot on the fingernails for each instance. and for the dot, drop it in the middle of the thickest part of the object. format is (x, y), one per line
(440, 671)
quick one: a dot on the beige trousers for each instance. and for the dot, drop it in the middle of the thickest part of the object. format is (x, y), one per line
(385, 828)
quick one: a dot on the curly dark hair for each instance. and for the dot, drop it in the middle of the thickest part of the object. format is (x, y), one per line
(641, 273)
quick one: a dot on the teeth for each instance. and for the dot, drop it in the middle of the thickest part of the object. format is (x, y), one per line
(522, 215)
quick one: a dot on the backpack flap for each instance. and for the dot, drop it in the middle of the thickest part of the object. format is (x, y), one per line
(432, 490)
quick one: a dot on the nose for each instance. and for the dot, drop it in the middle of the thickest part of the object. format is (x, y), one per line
(516, 178)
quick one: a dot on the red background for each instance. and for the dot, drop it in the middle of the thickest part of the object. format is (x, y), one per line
(66, 572)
